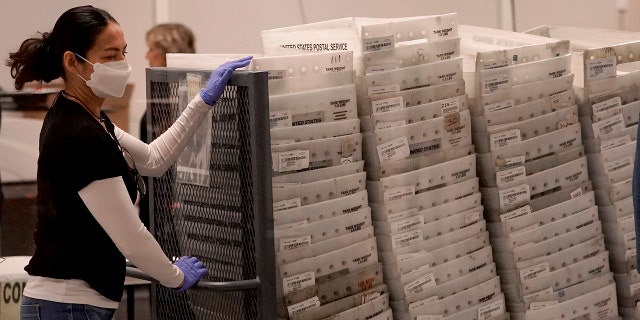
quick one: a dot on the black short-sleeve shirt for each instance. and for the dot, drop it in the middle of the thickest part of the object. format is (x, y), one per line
(76, 150)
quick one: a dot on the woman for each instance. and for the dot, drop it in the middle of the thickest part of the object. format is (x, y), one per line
(168, 38)
(87, 177)
(162, 39)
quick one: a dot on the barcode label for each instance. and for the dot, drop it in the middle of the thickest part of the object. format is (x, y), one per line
(615, 123)
(495, 83)
(503, 139)
(402, 214)
(522, 211)
(491, 310)
(606, 105)
(396, 149)
(601, 68)
(414, 287)
(287, 204)
(537, 305)
(303, 306)
(294, 243)
(407, 224)
(510, 176)
(381, 125)
(292, 160)
(534, 271)
(494, 64)
(499, 106)
(276, 75)
(292, 225)
(614, 143)
(298, 282)
(383, 89)
(514, 196)
(406, 239)
(509, 163)
(380, 68)
(378, 44)
(533, 296)
(386, 105)
(471, 218)
(449, 106)
(398, 193)
(619, 164)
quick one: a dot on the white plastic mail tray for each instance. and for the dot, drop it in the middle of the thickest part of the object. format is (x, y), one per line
(309, 107)
(321, 210)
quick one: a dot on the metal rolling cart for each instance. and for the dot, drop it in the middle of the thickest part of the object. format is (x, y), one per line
(215, 203)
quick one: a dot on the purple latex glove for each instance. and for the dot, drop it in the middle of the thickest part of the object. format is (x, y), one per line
(219, 78)
(193, 271)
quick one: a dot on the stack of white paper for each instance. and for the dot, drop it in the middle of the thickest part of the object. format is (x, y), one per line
(534, 174)
(608, 108)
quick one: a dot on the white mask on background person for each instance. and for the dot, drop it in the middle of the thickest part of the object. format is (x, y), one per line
(108, 79)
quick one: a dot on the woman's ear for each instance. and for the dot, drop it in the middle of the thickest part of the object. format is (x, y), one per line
(70, 62)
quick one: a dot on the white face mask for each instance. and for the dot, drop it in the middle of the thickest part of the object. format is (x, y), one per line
(108, 79)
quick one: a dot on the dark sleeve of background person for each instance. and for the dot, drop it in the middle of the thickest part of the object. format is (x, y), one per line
(144, 200)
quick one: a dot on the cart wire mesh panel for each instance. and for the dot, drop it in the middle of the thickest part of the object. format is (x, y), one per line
(215, 203)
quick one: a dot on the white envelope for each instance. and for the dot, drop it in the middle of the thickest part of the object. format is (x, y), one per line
(598, 304)
(616, 211)
(526, 92)
(503, 79)
(353, 258)
(318, 311)
(460, 301)
(366, 310)
(322, 247)
(305, 234)
(528, 128)
(571, 292)
(487, 169)
(426, 200)
(316, 131)
(322, 210)
(541, 233)
(452, 287)
(323, 190)
(375, 173)
(397, 143)
(629, 113)
(494, 309)
(316, 154)
(309, 82)
(311, 107)
(432, 27)
(508, 112)
(452, 269)
(521, 54)
(392, 112)
(296, 65)
(337, 286)
(568, 276)
(423, 180)
(444, 254)
(410, 98)
(550, 214)
(550, 143)
(317, 174)
(530, 269)
(422, 75)
(411, 54)
(558, 243)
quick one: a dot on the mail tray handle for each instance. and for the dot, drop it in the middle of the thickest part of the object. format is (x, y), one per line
(215, 286)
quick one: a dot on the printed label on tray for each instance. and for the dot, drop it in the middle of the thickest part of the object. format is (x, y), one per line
(601, 68)
(386, 105)
(396, 149)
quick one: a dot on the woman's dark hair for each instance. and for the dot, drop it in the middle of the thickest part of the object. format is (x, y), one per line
(40, 59)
